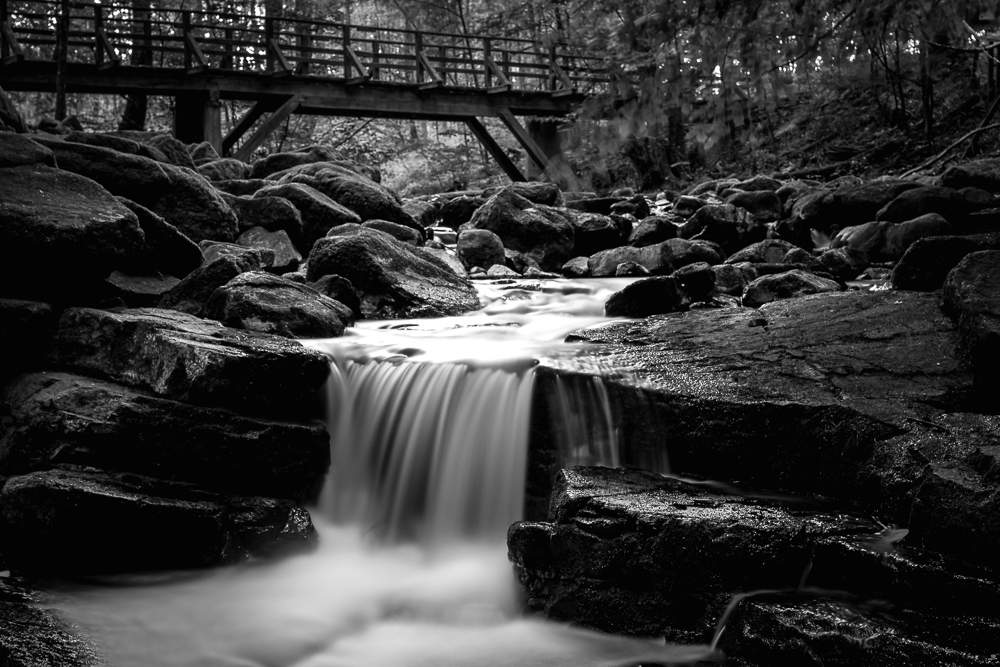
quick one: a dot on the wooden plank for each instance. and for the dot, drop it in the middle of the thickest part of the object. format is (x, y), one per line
(245, 151)
(244, 124)
(534, 151)
(495, 150)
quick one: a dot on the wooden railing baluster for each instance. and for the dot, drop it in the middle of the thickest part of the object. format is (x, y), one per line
(376, 49)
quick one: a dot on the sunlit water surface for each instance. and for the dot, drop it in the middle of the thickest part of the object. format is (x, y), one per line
(428, 472)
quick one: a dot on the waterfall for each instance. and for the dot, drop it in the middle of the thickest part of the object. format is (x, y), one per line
(434, 452)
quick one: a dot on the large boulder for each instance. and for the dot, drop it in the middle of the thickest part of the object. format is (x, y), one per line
(393, 280)
(179, 195)
(657, 258)
(479, 247)
(923, 200)
(65, 224)
(17, 150)
(539, 231)
(174, 151)
(117, 143)
(900, 236)
(765, 205)
(926, 263)
(459, 210)
(74, 521)
(768, 251)
(263, 302)
(271, 165)
(649, 296)
(165, 249)
(787, 285)
(402, 233)
(223, 169)
(731, 227)
(983, 174)
(368, 199)
(319, 213)
(272, 213)
(185, 358)
(593, 232)
(222, 262)
(25, 326)
(57, 418)
(652, 230)
(972, 298)
(286, 257)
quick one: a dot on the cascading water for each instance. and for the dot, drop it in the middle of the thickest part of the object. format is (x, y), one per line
(429, 427)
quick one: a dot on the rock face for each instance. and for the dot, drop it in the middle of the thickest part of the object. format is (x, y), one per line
(64, 222)
(651, 296)
(927, 262)
(392, 279)
(32, 635)
(731, 227)
(180, 196)
(165, 249)
(479, 247)
(319, 212)
(222, 263)
(787, 285)
(266, 303)
(60, 418)
(83, 521)
(972, 298)
(632, 552)
(365, 197)
(181, 357)
(538, 231)
(17, 150)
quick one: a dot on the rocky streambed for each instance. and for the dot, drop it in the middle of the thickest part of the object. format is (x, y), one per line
(159, 413)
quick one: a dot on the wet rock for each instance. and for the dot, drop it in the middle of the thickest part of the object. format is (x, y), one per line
(732, 279)
(286, 257)
(203, 152)
(787, 285)
(425, 211)
(899, 237)
(731, 227)
(547, 194)
(765, 205)
(867, 238)
(184, 358)
(652, 230)
(243, 187)
(74, 521)
(857, 204)
(17, 150)
(927, 262)
(402, 233)
(770, 251)
(459, 210)
(759, 183)
(576, 268)
(650, 296)
(319, 213)
(920, 201)
(393, 280)
(479, 247)
(518, 261)
(138, 291)
(33, 635)
(174, 151)
(271, 165)
(64, 222)
(224, 169)
(339, 289)
(118, 143)
(600, 205)
(538, 231)
(845, 263)
(636, 206)
(593, 232)
(686, 205)
(631, 269)
(366, 198)
(972, 298)
(222, 263)
(820, 632)
(263, 302)
(180, 196)
(165, 248)
(59, 418)
(498, 271)
(686, 252)
(984, 174)
(657, 258)
(26, 327)
(696, 281)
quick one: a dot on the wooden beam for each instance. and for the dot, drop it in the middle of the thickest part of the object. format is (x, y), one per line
(212, 120)
(244, 124)
(12, 50)
(351, 59)
(534, 151)
(282, 66)
(495, 150)
(245, 151)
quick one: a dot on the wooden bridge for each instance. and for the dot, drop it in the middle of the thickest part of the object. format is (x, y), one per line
(287, 65)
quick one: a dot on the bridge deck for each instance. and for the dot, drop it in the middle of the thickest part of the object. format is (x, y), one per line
(291, 65)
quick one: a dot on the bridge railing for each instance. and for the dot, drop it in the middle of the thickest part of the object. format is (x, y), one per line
(110, 35)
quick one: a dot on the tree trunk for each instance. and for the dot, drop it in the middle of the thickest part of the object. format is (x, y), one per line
(62, 55)
(926, 90)
(137, 106)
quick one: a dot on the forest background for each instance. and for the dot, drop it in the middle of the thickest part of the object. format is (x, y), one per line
(803, 88)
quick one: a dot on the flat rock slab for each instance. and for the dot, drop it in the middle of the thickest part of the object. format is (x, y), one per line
(628, 551)
(74, 520)
(61, 418)
(184, 358)
(33, 636)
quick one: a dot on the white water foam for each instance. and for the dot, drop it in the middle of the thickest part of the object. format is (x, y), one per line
(429, 427)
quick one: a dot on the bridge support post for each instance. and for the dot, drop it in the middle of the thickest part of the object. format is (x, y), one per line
(198, 118)
(494, 149)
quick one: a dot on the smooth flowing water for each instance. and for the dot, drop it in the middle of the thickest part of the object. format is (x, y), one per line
(429, 428)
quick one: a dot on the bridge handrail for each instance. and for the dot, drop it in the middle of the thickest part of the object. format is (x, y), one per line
(109, 35)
